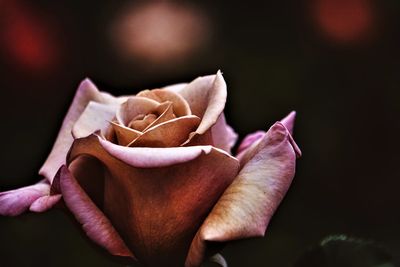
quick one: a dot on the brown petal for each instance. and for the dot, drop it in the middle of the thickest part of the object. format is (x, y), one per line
(167, 113)
(93, 221)
(124, 134)
(248, 204)
(180, 106)
(95, 117)
(171, 133)
(86, 92)
(206, 97)
(158, 210)
(133, 107)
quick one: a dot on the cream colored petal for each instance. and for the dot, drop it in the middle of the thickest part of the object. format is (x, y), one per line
(180, 106)
(206, 97)
(248, 204)
(176, 88)
(133, 107)
(95, 117)
(124, 134)
(171, 133)
(86, 92)
(158, 206)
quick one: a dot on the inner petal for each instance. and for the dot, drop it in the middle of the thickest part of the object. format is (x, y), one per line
(168, 134)
(141, 121)
(124, 134)
(179, 104)
(135, 106)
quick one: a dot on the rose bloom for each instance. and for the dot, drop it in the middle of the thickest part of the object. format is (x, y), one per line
(151, 176)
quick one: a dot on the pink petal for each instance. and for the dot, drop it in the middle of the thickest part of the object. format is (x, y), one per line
(45, 203)
(93, 221)
(248, 204)
(288, 121)
(15, 202)
(249, 140)
(86, 92)
(223, 135)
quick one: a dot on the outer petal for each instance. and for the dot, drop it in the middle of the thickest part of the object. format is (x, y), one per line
(223, 135)
(45, 203)
(251, 141)
(93, 221)
(17, 201)
(246, 207)
(95, 117)
(157, 210)
(288, 121)
(206, 97)
(86, 92)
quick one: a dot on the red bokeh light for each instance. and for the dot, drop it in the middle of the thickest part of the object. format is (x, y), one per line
(26, 39)
(344, 21)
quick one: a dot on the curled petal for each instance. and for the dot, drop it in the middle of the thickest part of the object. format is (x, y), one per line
(95, 117)
(15, 202)
(180, 106)
(288, 121)
(206, 97)
(251, 141)
(248, 204)
(171, 133)
(140, 157)
(86, 92)
(93, 221)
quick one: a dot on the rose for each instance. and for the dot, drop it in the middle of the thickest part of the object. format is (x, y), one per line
(151, 176)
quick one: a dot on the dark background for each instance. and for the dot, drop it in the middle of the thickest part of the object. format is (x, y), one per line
(335, 62)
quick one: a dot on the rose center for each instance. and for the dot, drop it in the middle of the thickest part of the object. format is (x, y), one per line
(141, 121)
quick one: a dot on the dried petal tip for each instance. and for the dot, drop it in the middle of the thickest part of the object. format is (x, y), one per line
(288, 121)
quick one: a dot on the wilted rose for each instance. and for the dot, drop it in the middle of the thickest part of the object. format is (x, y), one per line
(151, 176)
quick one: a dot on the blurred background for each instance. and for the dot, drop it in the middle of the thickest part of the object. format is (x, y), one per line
(336, 62)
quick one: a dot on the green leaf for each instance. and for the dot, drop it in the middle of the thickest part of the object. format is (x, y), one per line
(343, 251)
